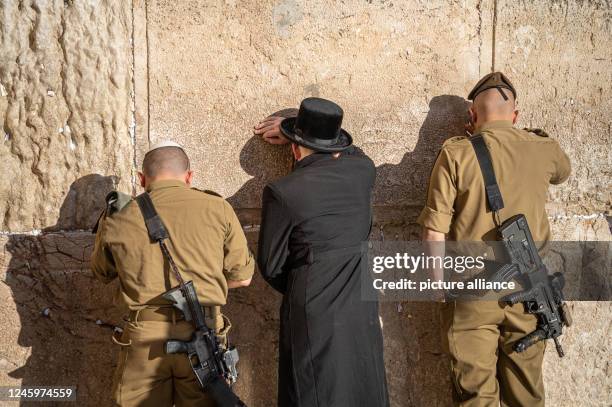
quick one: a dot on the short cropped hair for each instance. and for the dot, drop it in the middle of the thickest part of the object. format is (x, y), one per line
(491, 101)
(165, 160)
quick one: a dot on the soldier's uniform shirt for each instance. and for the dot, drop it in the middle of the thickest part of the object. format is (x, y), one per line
(206, 242)
(479, 335)
(525, 163)
(209, 247)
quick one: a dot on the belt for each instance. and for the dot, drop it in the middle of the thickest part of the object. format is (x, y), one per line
(168, 314)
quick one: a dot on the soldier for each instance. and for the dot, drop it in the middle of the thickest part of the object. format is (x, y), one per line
(209, 247)
(479, 335)
(313, 223)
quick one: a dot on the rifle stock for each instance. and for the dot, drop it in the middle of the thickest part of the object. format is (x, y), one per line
(211, 364)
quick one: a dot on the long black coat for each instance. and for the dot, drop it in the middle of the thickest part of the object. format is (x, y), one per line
(313, 223)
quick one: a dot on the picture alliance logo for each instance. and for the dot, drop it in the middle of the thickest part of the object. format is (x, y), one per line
(411, 264)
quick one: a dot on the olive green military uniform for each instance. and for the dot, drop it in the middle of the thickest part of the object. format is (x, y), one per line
(479, 335)
(209, 247)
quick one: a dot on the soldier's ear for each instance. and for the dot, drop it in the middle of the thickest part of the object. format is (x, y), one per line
(142, 179)
(472, 114)
(188, 177)
(515, 117)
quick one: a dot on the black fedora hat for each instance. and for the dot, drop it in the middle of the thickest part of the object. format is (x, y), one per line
(317, 126)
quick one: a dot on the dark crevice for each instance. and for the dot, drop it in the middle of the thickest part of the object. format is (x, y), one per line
(493, 33)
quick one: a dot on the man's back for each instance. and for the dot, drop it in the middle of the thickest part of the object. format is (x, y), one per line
(314, 222)
(329, 199)
(525, 163)
(206, 241)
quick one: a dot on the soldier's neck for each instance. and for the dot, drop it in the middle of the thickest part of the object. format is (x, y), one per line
(502, 121)
(161, 178)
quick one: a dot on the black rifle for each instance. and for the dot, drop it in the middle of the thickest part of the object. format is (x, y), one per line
(212, 365)
(542, 294)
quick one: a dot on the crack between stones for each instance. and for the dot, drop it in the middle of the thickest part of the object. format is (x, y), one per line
(479, 32)
(493, 40)
(132, 128)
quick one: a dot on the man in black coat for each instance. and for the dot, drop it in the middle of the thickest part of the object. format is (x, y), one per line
(314, 222)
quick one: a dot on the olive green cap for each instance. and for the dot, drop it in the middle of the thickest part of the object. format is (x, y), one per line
(493, 80)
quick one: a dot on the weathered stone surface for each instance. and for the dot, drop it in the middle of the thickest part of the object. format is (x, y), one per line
(582, 377)
(51, 271)
(558, 56)
(205, 72)
(67, 347)
(65, 74)
(216, 68)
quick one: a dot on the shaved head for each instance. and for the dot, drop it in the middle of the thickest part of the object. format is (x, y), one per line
(165, 161)
(490, 105)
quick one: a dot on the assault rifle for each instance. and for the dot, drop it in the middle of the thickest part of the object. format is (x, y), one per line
(211, 364)
(542, 294)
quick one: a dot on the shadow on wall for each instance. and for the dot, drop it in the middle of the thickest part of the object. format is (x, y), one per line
(264, 164)
(405, 183)
(50, 272)
(84, 202)
(417, 368)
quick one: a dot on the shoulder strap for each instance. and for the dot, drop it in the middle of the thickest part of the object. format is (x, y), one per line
(494, 197)
(155, 226)
(157, 231)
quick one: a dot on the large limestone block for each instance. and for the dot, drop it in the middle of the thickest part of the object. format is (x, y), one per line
(217, 67)
(582, 377)
(65, 83)
(66, 347)
(558, 56)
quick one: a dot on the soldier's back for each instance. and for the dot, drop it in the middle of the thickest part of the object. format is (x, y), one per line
(198, 223)
(525, 164)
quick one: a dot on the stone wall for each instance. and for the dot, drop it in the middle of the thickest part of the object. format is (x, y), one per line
(87, 86)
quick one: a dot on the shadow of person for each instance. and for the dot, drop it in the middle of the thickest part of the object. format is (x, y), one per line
(255, 322)
(84, 202)
(255, 159)
(404, 184)
(58, 300)
(411, 329)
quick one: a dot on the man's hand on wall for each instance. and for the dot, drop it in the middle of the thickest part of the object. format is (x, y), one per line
(269, 130)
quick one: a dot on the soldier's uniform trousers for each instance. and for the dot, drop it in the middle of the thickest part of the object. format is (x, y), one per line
(145, 375)
(486, 371)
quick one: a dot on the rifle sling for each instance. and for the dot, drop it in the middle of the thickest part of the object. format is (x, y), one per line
(156, 230)
(494, 197)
